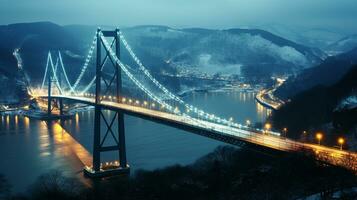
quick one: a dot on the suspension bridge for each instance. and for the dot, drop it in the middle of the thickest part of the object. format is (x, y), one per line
(158, 104)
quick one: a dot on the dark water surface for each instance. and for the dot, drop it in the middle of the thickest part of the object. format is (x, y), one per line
(29, 148)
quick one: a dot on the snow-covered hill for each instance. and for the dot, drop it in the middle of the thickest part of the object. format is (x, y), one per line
(349, 102)
(343, 45)
(222, 51)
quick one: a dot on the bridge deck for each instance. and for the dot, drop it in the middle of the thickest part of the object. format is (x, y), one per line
(226, 134)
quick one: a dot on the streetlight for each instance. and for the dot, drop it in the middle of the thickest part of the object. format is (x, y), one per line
(285, 130)
(230, 121)
(319, 136)
(267, 127)
(341, 141)
(304, 135)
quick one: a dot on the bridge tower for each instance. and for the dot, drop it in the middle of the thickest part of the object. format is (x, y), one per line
(97, 170)
(50, 100)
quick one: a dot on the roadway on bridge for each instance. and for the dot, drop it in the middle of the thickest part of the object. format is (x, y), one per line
(331, 155)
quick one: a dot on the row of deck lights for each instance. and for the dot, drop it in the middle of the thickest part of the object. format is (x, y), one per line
(176, 110)
(125, 100)
(267, 126)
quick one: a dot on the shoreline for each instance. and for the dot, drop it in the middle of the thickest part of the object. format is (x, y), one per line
(259, 99)
(271, 102)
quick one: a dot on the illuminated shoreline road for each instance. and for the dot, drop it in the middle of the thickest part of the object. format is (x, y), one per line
(225, 133)
(267, 103)
(272, 101)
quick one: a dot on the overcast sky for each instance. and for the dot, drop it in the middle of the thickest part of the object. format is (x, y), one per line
(339, 14)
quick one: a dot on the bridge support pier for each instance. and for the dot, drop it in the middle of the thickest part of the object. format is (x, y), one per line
(61, 106)
(49, 99)
(118, 137)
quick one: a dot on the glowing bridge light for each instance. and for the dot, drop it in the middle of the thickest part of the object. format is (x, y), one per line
(319, 137)
(267, 126)
(341, 141)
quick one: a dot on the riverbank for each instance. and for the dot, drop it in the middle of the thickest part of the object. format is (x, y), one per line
(265, 102)
(266, 96)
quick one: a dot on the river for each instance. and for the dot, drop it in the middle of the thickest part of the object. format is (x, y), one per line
(29, 148)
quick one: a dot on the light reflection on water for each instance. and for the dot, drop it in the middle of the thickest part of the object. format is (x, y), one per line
(69, 146)
(77, 122)
(30, 147)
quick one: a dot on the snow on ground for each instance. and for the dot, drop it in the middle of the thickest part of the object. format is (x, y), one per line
(285, 52)
(348, 103)
(336, 195)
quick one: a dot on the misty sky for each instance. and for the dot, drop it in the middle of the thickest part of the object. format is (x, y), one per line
(339, 14)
